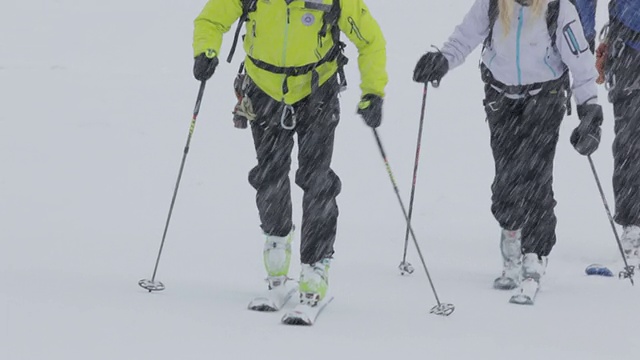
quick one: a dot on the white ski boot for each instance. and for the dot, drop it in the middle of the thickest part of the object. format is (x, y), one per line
(533, 268)
(511, 249)
(630, 241)
(277, 258)
(314, 282)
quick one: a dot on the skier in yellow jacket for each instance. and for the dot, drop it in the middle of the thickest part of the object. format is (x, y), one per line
(293, 77)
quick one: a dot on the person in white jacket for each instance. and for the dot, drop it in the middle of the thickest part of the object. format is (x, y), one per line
(525, 71)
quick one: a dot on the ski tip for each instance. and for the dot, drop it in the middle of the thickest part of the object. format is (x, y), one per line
(305, 315)
(297, 318)
(598, 270)
(265, 307)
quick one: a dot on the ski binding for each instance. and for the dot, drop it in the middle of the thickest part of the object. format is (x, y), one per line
(527, 293)
(305, 314)
(272, 300)
(505, 283)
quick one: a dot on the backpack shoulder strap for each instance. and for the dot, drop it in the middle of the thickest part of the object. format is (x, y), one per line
(248, 6)
(331, 19)
(334, 13)
(493, 17)
(553, 11)
(552, 18)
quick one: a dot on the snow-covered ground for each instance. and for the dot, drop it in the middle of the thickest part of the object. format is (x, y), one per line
(95, 104)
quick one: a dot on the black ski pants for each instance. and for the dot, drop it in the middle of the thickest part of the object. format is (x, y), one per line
(313, 120)
(524, 135)
(625, 96)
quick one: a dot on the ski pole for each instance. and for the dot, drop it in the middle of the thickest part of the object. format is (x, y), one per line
(406, 267)
(628, 271)
(441, 308)
(152, 284)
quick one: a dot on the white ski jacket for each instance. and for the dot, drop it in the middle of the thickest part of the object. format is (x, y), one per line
(526, 56)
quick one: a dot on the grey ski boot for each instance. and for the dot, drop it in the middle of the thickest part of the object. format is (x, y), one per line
(533, 268)
(630, 241)
(511, 249)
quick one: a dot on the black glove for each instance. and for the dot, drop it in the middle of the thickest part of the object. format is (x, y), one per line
(370, 107)
(205, 65)
(586, 137)
(431, 67)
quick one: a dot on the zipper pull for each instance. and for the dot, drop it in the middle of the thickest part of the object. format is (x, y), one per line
(288, 13)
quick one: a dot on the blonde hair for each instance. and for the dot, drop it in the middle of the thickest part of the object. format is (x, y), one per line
(506, 10)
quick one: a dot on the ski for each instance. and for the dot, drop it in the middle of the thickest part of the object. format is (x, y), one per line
(527, 293)
(304, 314)
(272, 300)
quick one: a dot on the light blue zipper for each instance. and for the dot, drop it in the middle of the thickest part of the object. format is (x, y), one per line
(520, 21)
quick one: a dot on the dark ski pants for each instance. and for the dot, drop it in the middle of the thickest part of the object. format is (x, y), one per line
(315, 124)
(524, 135)
(625, 96)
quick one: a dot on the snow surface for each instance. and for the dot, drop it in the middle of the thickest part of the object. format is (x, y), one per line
(96, 99)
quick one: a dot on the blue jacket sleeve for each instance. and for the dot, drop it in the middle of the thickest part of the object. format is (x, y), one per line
(587, 12)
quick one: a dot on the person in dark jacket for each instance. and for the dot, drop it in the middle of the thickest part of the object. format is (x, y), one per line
(618, 62)
(587, 12)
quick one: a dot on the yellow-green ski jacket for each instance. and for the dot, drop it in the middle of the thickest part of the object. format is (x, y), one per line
(286, 35)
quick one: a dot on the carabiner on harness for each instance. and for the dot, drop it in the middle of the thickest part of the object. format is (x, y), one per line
(283, 118)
